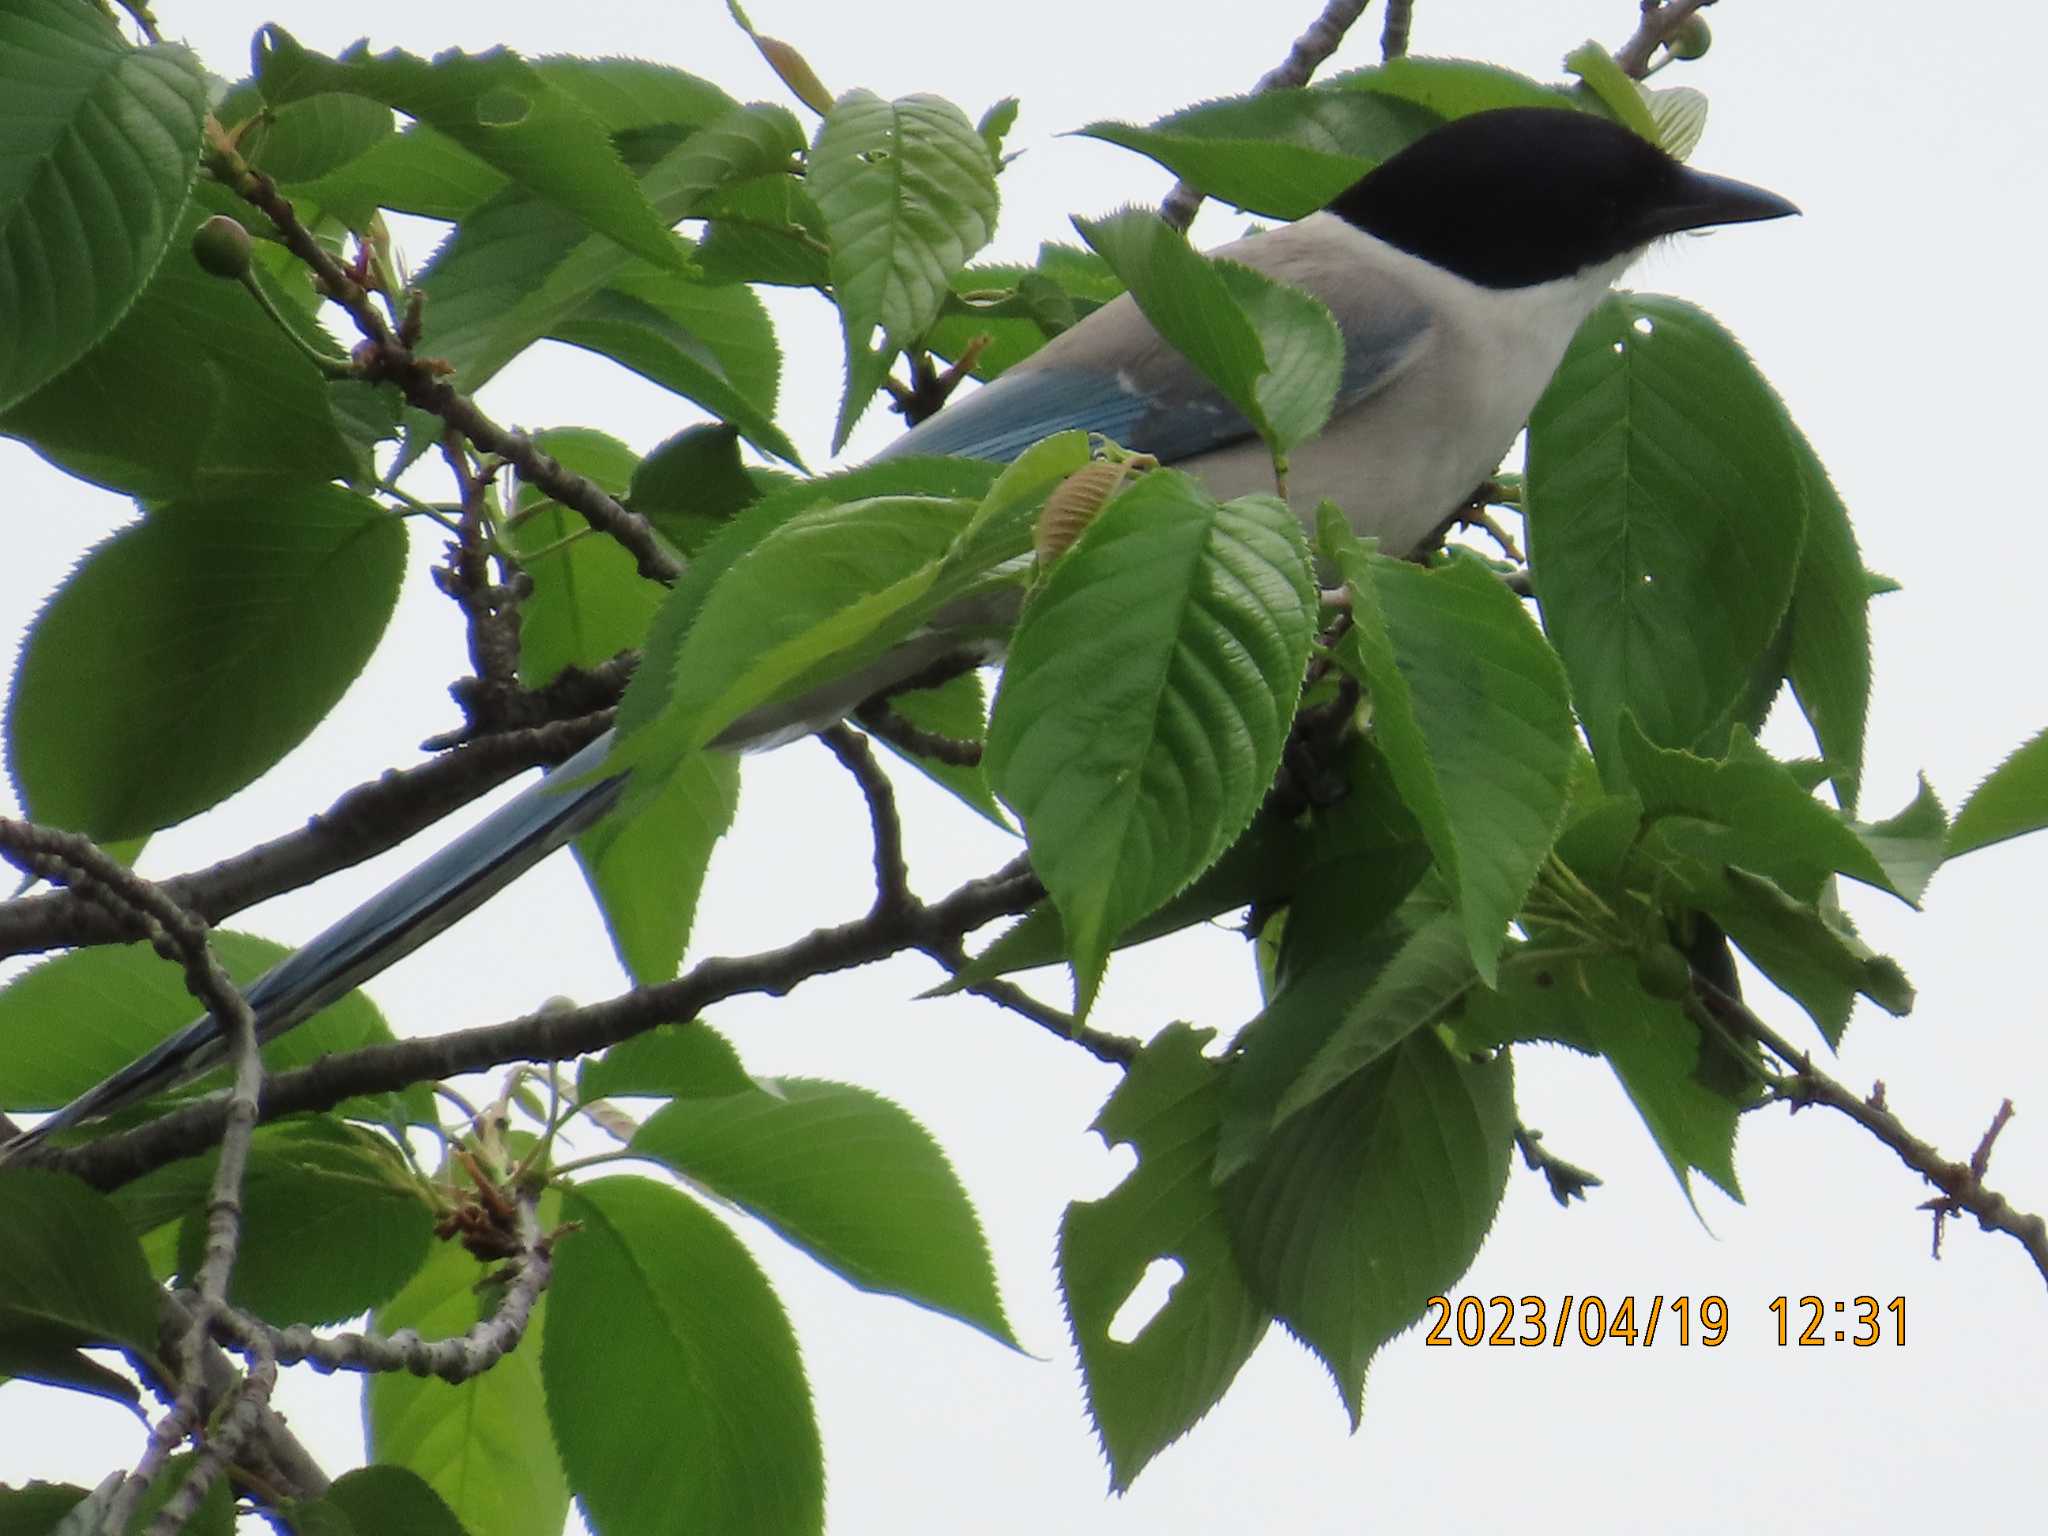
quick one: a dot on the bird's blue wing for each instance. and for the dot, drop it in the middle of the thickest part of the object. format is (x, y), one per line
(1117, 377)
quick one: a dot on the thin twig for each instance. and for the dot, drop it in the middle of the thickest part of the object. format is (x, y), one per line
(1661, 21)
(1568, 1181)
(1394, 33)
(879, 719)
(892, 873)
(1317, 43)
(385, 355)
(1116, 1050)
(1961, 1184)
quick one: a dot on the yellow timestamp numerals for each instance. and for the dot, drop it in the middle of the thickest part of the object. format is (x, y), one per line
(1821, 1316)
(1529, 1322)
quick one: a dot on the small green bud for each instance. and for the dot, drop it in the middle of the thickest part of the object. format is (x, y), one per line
(1662, 971)
(1692, 39)
(221, 246)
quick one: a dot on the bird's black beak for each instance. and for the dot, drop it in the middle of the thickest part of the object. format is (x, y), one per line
(1699, 200)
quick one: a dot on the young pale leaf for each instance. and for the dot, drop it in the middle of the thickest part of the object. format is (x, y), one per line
(848, 1177)
(519, 266)
(1620, 96)
(646, 868)
(908, 193)
(1829, 663)
(2011, 802)
(73, 1274)
(673, 1384)
(1282, 153)
(1273, 351)
(331, 1226)
(1147, 1391)
(1374, 1200)
(1472, 710)
(1666, 515)
(194, 393)
(499, 108)
(101, 146)
(1680, 113)
(192, 650)
(1148, 694)
(482, 1444)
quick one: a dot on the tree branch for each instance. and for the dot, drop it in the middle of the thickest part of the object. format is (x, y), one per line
(1660, 23)
(1961, 1184)
(363, 823)
(547, 1035)
(892, 872)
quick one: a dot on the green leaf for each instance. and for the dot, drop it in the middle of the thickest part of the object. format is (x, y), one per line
(331, 1225)
(673, 1384)
(1146, 1391)
(908, 192)
(589, 600)
(1273, 350)
(37, 1508)
(483, 1445)
(194, 392)
(1749, 810)
(715, 346)
(847, 1176)
(822, 594)
(1910, 845)
(1680, 113)
(418, 171)
(499, 108)
(692, 484)
(633, 95)
(1374, 1200)
(673, 1061)
(1655, 1050)
(646, 867)
(1282, 153)
(1472, 709)
(305, 140)
(1149, 691)
(1809, 951)
(74, 1019)
(73, 1274)
(765, 229)
(101, 145)
(230, 626)
(1451, 87)
(2011, 802)
(1666, 513)
(995, 126)
(1620, 96)
(518, 266)
(388, 1499)
(1829, 663)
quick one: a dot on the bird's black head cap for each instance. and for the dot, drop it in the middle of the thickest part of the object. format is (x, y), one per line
(1524, 195)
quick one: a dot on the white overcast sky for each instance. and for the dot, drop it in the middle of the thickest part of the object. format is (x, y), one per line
(1897, 317)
